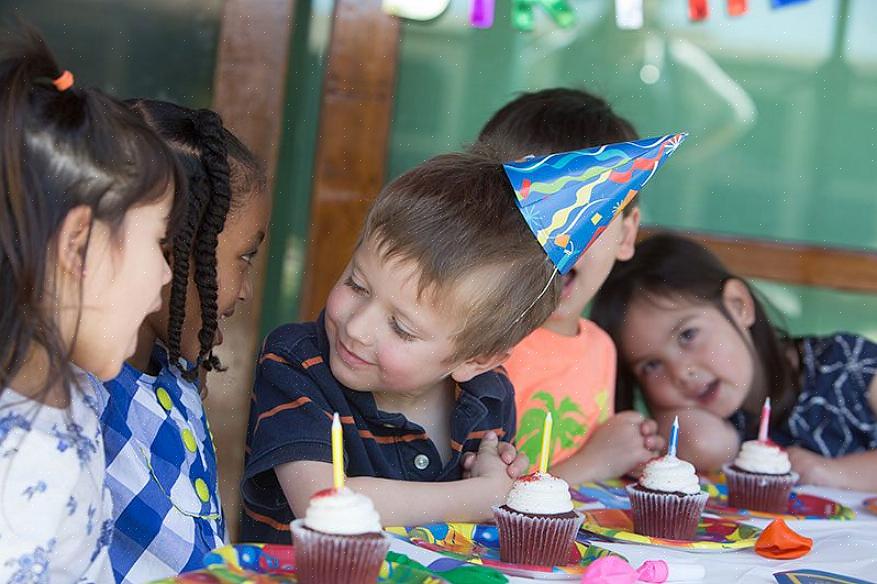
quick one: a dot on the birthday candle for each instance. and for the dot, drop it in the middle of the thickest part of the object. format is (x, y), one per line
(674, 437)
(337, 452)
(546, 443)
(765, 421)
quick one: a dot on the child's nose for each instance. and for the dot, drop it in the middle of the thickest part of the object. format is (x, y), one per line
(360, 326)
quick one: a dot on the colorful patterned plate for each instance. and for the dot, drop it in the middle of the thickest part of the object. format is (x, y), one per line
(870, 504)
(479, 544)
(713, 534)
(801, 505)
(275, 564)
(612, 495)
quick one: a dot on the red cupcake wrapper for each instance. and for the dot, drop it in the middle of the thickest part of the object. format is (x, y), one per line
(666, 515)
(759, 492)
(536, 540)
(323, 558)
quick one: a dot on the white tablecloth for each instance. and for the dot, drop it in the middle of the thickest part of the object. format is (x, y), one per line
(843, 547)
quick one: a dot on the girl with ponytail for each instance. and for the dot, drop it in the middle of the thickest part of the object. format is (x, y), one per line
(86, 196)
(161, 462)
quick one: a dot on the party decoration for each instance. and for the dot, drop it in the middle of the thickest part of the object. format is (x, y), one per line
(569, 199)
(712, 535)
(629, 14)
(765, 421)
(524, 18)
(478, 544)
(481, 13)
(779, 542)
(545, 452)
(415, 9)
(815, 577)
(674, 437)
(612, 570)
(337, 453)
(737, 7)
(698, 10)
(781, 3)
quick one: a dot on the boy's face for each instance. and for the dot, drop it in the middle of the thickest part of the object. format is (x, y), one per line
(582, 282)
(383, 339)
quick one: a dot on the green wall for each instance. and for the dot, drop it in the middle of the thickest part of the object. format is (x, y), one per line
(160, 49)
(781, 107)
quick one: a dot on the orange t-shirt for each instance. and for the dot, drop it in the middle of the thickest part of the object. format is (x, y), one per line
(572, 377)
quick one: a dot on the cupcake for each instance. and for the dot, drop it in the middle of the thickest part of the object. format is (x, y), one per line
(537, 525)
(760, 478)
(339, 540)
(667, 500)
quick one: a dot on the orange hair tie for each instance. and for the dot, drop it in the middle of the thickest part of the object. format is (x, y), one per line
(64, 81)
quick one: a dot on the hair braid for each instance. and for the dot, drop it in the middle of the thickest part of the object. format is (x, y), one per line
(214, 157)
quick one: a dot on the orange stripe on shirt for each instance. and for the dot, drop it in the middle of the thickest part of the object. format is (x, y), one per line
(480, 433)
(391, 439)
(265, 519)
(282, 407)
(273, 357)
(456, 446)
(311, 362)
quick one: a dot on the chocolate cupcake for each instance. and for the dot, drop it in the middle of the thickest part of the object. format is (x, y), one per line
(537, 525)
(760, 478)
(667, 501)
(340, 540)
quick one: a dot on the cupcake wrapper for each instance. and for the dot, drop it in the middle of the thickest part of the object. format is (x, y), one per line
(666, 515)
(322, 558)
(536, 541)
(759, 492)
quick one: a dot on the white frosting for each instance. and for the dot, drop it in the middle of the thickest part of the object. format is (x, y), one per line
(763, 458)
(540, 494)
(669, 474)
(343, 512)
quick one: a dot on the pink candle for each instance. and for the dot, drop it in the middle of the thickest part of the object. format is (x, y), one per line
(765, 421)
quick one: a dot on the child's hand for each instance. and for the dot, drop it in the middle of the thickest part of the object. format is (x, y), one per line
(813, 468)
(489, 464)
(517, 462)
(617, 446)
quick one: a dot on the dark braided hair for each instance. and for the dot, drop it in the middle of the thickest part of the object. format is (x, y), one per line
(218, 165)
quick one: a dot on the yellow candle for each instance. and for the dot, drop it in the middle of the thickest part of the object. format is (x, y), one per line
(337, 452)
(546, 443)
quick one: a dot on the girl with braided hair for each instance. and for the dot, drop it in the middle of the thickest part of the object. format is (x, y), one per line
(161, 462)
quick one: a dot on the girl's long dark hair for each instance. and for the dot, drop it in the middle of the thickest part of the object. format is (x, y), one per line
(220, 170)
(668, 266)
(60, 150)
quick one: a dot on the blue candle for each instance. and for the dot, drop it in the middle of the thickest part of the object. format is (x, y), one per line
(674, 437)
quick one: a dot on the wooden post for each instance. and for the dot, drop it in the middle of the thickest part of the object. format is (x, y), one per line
(249, 91)
(355, 115)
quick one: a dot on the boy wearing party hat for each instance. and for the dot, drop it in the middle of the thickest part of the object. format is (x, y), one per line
(446, 278)
(568, 365)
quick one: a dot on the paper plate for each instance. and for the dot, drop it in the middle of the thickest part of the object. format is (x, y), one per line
(479, 544)
(275, 564)
(713, 534)
(611, 494)
(801, 505)
(870, 504)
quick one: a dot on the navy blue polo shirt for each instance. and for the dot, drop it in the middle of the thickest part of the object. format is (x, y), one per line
(294, 396)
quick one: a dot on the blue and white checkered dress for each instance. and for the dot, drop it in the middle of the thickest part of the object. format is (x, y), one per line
(161, 471)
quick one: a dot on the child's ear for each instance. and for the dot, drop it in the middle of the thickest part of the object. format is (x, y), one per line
(72, 241)
(629, 231)
(478, 365)
(739, 302)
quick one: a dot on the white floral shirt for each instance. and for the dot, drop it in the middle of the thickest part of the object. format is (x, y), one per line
(55, 512)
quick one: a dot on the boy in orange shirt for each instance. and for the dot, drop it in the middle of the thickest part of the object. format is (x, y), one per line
(568, 365)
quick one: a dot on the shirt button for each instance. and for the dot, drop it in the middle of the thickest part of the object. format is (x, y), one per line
(421, 461)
